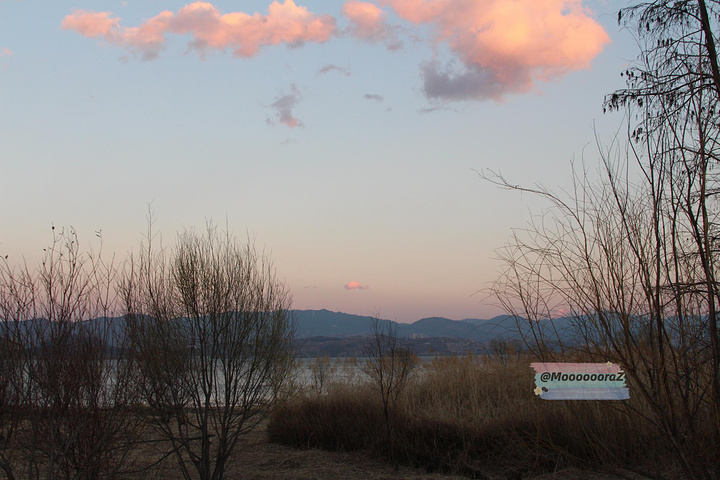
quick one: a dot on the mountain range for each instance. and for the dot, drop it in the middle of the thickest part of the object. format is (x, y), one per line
(321, 332)
(325, 323)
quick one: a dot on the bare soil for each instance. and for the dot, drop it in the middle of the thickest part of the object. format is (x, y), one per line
(258, 459)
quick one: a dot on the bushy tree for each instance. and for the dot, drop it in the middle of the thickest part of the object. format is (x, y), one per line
(212, 332)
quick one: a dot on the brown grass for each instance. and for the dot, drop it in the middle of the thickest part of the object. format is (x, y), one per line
(479, 418)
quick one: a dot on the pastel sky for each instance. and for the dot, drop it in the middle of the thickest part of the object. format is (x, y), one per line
(344, 137)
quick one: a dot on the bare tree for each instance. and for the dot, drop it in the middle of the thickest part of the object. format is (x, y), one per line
(389, 366)
(66, 392)
(674, 88)
(212, 332)
(620, 265)
(322, 372)
(632, 255)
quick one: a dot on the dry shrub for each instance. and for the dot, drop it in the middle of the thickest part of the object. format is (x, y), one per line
(477, 416)
(345, 419)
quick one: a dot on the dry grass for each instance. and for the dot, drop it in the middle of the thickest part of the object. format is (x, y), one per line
(479, 418)
(258, 459)
(459, 416)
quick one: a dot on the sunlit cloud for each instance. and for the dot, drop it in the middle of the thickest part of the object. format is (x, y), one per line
(505, 47)
(284, 105)
(6, 52)
(499, 47)
(367, 22)
(285, 23)
(356, 286)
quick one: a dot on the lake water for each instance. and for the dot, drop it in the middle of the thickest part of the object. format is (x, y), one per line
(341, 370)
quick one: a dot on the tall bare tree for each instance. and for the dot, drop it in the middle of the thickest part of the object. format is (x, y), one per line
(66, 391)
(212, 332)
(674, 90)
(389, 365)
(632, 254)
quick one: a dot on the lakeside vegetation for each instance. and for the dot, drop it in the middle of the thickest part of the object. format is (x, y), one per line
(629, 256)
(185, 350)
(477, 416)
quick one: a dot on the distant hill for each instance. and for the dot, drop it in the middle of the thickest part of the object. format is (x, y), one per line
(343, 334)
(325, 323)
(438, 327)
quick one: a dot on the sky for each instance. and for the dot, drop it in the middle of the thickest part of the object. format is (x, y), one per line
(343, 138)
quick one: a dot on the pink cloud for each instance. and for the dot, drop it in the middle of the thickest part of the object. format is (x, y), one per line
(243, 33)
(367, 22)
(505, 46)
(91, 24)
(6, 52)
(356, 286)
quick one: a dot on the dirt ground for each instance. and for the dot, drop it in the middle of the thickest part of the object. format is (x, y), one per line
(258, 459)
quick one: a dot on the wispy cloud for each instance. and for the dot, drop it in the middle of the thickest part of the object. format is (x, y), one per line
(433, 108)
(356, 286)
(6, 52)
(245, 34)
(284, 105)
(373, 97)
(505, 47)
(334, 68)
